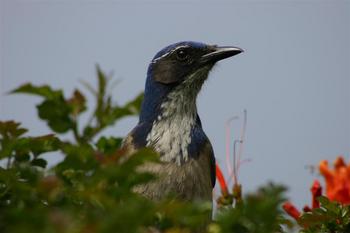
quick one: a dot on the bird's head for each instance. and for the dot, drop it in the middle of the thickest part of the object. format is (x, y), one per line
(180, 69)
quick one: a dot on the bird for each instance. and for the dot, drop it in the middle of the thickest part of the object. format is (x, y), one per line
(169, 122)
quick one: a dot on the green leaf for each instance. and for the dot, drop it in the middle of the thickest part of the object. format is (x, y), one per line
(134, 106)
(37, 145)
(108, 145)
(43, 144)
(11, 129)
(129, 109)
(102, 82)
(77, 103)
(78, 157)
(101, 93)
(331, 217)
(57, 115)
(43, 91)
(124, 173)
(331, 207)
(259, 212)
(55, 109)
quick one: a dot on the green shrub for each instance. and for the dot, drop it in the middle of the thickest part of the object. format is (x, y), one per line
(90, 190)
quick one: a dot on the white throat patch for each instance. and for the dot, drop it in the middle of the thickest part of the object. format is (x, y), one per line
(171, 131)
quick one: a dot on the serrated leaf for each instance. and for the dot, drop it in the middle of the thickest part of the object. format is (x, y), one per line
(43, 91)
(129, 109)
(331, 207)
(108, 145)
(11, 129)
(134, 106)
(102, 81)
(80, 157)
(45, 143)
(57, 115)
(77, 103)
(324, 201)
(101, 102)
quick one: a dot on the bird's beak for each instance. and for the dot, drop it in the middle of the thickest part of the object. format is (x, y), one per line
(220, 53)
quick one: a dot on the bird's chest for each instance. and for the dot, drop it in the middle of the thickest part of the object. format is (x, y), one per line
(170, 137)
(171, 132)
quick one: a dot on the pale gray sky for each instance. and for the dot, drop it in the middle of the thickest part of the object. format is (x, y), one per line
(293, 79)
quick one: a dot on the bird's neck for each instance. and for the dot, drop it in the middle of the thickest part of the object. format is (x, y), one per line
(171, 114)
(180, 97)
(171, 131)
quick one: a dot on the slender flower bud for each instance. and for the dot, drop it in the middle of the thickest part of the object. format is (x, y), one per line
(291, 210)
(222, 181)
(316, 191)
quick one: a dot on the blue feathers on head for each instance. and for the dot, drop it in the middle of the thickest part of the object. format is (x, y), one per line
(168, 48)
(156, 92)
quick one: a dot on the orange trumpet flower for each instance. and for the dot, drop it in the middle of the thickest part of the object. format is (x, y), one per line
(337, 180)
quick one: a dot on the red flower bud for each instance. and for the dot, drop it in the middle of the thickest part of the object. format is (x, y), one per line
(291, 210)
(222, 181)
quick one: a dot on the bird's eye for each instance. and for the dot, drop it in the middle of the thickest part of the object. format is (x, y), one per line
(182, 55)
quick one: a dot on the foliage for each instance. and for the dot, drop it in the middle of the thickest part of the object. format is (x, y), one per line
(258, 212)
(61, 114)
(331, 217)
(330, 213)
(91, 189)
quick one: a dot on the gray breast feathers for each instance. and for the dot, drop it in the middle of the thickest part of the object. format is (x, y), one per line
(190, 181)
